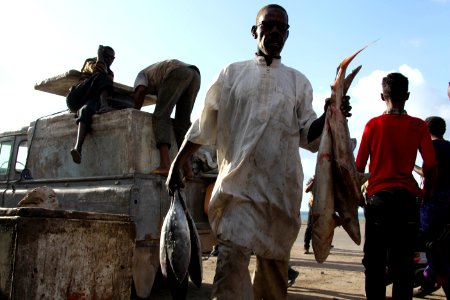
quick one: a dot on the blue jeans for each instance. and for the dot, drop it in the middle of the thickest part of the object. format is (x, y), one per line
(392, 223)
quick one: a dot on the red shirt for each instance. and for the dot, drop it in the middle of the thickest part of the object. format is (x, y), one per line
(391, 141)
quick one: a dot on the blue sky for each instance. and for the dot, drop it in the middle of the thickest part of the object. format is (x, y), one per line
(42, 39)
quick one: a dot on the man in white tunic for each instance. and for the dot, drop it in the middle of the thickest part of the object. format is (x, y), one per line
(257, 113)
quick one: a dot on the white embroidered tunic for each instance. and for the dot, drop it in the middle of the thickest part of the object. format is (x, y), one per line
(257, 116)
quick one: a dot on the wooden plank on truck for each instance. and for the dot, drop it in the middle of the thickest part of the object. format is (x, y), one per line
(60, 85)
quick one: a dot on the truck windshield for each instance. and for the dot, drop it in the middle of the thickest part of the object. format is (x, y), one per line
(5, 156)
(22, 156)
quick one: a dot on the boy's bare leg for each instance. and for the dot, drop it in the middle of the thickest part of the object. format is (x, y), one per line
(164, 161)
(76, 151)
(187, 170)
(104, 103)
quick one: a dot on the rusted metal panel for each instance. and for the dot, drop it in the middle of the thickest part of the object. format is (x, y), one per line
(8, 235)
(65, 254)
(149, 204)
(120, 142)
(106, 195)
(143, 197)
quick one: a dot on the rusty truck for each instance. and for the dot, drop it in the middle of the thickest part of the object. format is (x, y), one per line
(113, 183)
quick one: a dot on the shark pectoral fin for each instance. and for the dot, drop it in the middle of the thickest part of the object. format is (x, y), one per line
(349, 79)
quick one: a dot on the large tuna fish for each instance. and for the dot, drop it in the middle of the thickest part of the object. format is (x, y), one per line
(180, 248)
(195, 269)
(175, 241)
(337, 185)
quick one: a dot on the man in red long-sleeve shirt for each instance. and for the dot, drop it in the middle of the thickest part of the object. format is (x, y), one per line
(391, 141)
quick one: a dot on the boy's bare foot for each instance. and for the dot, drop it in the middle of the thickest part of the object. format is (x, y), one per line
(76, 156)
(161, 172)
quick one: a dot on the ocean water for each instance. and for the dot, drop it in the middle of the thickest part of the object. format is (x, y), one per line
(304, 215)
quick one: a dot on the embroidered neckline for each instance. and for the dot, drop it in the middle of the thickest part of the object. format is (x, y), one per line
(262, 55)
(268, 61)
(395, 111)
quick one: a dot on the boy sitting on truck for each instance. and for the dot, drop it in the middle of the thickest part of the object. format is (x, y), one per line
(90, 96)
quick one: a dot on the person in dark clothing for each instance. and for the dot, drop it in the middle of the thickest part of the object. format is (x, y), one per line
(308, 231)
(90, 96)
(435, 215)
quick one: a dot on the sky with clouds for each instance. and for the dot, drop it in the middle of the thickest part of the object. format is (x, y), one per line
(45, 38)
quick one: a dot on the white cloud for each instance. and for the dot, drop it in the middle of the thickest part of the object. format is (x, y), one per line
(416, 42)
(415, 77)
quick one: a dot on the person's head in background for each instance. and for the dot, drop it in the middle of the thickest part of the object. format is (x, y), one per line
(437, 126)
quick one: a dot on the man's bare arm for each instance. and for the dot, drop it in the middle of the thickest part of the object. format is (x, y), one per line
(175, 178)
(139, 95)
(315, 130)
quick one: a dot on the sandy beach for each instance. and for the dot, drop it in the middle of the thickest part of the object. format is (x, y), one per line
(341, 276)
